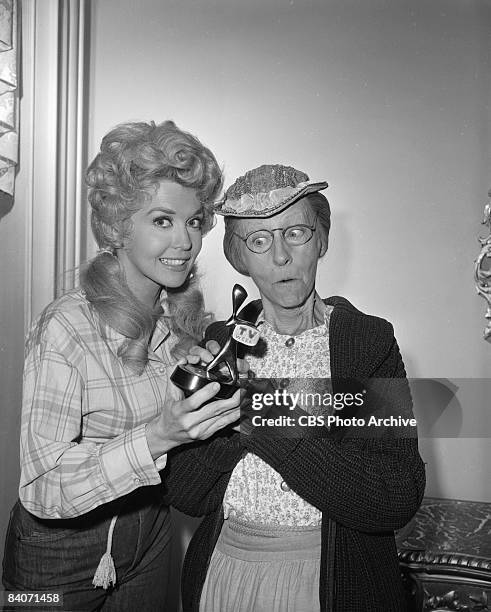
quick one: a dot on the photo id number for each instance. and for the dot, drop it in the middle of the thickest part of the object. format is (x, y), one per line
(31, 599)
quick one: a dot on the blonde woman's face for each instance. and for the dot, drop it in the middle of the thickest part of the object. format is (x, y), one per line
(164, 242)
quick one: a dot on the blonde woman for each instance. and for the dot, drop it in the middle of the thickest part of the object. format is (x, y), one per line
(99, 413)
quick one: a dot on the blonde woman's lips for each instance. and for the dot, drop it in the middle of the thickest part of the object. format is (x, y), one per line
(175, 264)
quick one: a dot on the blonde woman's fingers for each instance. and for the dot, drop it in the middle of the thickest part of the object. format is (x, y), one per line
(213, 347)
(201, 353)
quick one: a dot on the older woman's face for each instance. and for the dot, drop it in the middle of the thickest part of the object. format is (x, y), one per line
(284, 275)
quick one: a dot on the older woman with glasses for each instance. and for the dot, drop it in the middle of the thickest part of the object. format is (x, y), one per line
(302, 522)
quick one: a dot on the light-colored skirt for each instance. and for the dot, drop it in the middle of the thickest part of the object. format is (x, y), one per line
(263, 568)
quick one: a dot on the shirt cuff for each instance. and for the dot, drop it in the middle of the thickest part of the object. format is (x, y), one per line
(127, 464)
(160, 462)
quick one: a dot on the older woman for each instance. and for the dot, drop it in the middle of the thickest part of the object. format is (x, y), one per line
(304, 523)
(99, 413)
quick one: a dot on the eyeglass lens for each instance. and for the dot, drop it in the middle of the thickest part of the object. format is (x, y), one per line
(261, 241)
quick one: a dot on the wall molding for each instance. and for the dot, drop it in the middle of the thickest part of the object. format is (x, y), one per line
(55, 48)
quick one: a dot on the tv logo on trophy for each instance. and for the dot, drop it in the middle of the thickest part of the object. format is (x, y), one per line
(246, 334)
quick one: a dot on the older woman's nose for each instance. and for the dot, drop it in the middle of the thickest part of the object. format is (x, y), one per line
(280, 251)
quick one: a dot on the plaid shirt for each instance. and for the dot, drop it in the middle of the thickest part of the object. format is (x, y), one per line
(84, 414)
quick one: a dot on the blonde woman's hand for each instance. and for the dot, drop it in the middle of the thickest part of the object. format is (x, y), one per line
(198, 354)
(197, 417)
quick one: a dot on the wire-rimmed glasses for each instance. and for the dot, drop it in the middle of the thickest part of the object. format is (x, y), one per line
(260, 241)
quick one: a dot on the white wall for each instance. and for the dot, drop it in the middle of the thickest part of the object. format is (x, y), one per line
(386, 100)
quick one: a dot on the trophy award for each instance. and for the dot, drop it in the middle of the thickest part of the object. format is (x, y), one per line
(190, 377)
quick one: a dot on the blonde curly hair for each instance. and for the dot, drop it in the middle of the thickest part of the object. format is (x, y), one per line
(133, 159)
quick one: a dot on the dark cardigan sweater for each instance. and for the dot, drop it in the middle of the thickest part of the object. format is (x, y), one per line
(365, 488)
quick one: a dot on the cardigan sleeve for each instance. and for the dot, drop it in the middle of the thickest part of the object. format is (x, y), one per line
(197, 474)
(370, 485)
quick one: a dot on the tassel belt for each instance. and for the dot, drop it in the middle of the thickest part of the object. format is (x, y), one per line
(105, 574)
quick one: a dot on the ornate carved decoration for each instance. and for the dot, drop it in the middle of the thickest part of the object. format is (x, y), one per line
(482, 275)
(454, 600)
(445, 559)
(445, 556)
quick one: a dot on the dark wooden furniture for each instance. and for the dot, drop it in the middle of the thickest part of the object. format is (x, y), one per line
(445, 556)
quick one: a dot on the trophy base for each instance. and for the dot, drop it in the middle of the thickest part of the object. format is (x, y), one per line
(190, 378)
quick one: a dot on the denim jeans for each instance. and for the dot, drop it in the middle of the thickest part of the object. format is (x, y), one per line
(63, 555)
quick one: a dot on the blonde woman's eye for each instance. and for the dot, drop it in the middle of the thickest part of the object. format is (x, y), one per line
(162, 222)
(196, 223)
